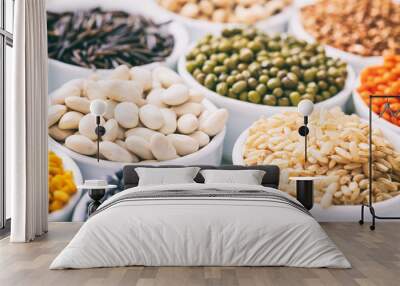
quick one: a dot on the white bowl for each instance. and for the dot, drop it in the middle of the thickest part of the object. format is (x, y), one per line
(358, 62)
(199, 28)
(210, 154)
(338, 213)
(65, 213)
(242, 114)
(60, 72)
(362, 109)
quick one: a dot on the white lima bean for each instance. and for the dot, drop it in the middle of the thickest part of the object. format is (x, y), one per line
(70, 120)
(121, 73)
(187, 123)
(162, 148)
(215, 122)
(81, 144)
(143, 76)
(123, 91)
(139, 147)
(71, 88)
(202, 138)
(112, 130)
(176, 94)
(151, 116)
(170, 123)
(127, 114)
(154, 97)
(111, 104)
(80, 104)
(59, 134)
(122, 144)
(87, 126)
(195, 96)
(166, 77)
(188, 107)
(142, 132)
(183, 144)
(113, 152)
(55, 113)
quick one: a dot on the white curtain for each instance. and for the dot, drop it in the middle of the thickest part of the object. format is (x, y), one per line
(26, 119)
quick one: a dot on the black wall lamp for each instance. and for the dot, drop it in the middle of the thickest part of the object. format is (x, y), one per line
(305, 108)
(98, 108)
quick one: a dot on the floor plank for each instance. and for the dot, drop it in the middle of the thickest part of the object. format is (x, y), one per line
(375, 257)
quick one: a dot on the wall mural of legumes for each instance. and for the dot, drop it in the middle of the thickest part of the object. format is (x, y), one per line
(218, 82)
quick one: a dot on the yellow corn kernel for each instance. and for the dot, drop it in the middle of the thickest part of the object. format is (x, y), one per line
(61, 196)
(55, 205)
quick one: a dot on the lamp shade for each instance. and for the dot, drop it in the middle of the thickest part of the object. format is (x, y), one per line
(98, 107)
(305, 107)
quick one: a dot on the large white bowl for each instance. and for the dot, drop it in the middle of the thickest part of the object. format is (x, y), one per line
(210, 154)
(60, 72)
(199, 28)
(362, 109)
(358, 62)
(338, 213)
(65, 213)
(242, 114)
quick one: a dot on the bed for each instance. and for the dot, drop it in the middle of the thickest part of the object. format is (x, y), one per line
(199, 224)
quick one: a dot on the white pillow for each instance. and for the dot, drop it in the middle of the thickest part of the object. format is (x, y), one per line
(246, 177)
(166, 176)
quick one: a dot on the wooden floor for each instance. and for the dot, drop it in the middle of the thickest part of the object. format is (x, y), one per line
(375, 257)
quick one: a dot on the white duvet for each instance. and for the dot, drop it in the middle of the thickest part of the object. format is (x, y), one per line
(200, 231)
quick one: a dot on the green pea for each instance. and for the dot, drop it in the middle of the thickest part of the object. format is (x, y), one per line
(200, 78)
(252, 82)
(230, 80)
(246, 74)
(232, 94)
(295, 98)
(308, 96)
(274, 83)
(269, 99)
(273, 72)
(244, 96)
(263, 79)
(242, 67)
(254, 96)
(225, 46)
(309, 75)
(281, 74)
(222, 88)
(207, 68)
(255, 46)
(340, 82)
(279, 62)
(246, 55)
(261, 89)
(333, 90)
(278, 92)
(319, 98)
(284, 101)
(290, 82)
(301, 88)
(210, 81)
(191, 66)
(326, 94)
(274, 46)
(321, 75)
(220, 69)
(322, 85)
(239, 87)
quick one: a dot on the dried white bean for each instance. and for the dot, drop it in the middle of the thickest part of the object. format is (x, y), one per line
(139, 147)
(176, 94)
(170, 123)
(189, 107)
(214, 123)
(151, 116)
(143, 76)
(183, 144)
(81, 144)
(70, 120)
(54, 114)
(127, 114)
(166, 76)
(87, 126)
(154, 97)
(202, 138)
(121, 73)
(59, 134)
(187, 124)
(112, 130)
(80, 104)
(162, 148)
(113, 152)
